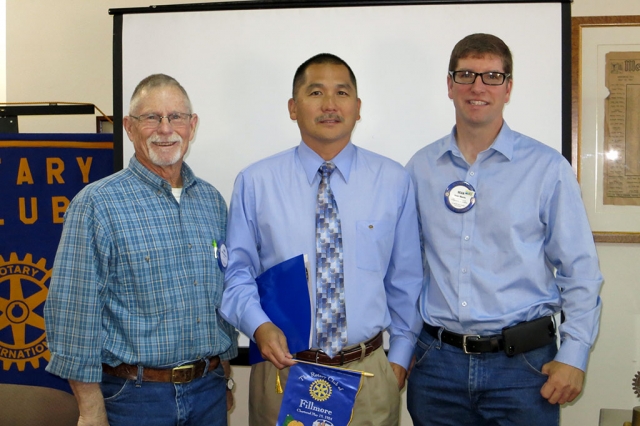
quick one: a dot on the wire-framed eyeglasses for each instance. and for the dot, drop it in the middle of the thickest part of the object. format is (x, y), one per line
(177, 119)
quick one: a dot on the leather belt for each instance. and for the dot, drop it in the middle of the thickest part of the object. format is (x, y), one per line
(522, 337)
(181, 374)
(469, 343)
(343, 357)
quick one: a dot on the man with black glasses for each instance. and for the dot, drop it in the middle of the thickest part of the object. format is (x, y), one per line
(507, 248)
(131, 314)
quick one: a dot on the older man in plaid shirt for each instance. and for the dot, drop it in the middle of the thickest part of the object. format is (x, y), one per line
(131, 315)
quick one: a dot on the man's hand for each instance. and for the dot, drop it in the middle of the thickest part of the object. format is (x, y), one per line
(564, 383)
(84, 421)
(226, 367)
(400, 372)
(230, 400)
(273, 345)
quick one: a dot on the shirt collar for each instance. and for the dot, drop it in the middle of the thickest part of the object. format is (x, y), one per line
(502, 144)
(152, 179)
(311, 161)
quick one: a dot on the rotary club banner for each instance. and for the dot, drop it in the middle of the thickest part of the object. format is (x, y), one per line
(316, 395)
(39, 175)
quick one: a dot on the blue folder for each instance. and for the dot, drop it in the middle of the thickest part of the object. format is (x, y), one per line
(284, 297)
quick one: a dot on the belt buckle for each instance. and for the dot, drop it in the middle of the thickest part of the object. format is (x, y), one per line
(190, 367)
(464, 343)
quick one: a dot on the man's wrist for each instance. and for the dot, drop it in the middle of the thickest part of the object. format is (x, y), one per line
(231, 384)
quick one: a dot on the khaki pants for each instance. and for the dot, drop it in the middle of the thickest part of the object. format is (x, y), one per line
(377, 404)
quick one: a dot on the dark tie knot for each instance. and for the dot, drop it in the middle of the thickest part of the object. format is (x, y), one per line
(327, 168)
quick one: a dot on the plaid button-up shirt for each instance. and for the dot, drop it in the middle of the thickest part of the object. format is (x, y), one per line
(135, 279)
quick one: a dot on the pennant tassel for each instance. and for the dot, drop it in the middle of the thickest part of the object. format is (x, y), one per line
(278, 384)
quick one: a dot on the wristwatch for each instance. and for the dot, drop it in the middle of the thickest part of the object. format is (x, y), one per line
(230, 384)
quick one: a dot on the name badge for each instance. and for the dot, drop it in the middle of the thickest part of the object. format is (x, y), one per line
(460, 197)
(223, 256)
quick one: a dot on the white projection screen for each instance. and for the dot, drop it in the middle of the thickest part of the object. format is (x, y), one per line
(237, 61)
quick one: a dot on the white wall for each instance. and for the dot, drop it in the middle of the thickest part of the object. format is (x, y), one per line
(3, 50)
(60, 50)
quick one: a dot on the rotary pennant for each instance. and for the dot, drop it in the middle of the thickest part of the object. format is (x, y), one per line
(316, 395)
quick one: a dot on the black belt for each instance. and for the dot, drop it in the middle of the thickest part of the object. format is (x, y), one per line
(522, 337)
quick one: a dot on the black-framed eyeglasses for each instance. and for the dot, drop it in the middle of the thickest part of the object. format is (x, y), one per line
(491, 78)
(177, 119)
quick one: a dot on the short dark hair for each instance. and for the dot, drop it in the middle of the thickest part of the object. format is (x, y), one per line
(152, 82)
(321, 58)
(479, 45)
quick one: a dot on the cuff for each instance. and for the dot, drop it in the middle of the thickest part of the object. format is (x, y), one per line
(573, 353)
(70, 368)
(400, 351)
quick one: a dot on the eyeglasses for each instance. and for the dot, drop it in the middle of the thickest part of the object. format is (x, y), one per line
(490, 78)
(177, 119)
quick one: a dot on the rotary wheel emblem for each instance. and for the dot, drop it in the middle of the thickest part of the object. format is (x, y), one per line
(320, 390)
(22, 295)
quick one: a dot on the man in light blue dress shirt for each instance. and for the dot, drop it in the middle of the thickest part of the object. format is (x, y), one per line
(507, 247)
(272, 219)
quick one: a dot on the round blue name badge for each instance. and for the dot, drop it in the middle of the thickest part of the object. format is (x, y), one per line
(460, 197)
(223, 256)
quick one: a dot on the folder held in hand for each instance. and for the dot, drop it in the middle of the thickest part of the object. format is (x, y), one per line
(284, 297)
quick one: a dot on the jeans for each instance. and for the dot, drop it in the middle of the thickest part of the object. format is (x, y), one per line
(449, 387)
(197, 403)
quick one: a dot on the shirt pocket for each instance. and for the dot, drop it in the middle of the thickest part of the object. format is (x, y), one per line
(149, 285)
(374, 241)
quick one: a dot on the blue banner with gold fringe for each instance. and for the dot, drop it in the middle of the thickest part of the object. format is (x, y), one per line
(39, 175)
(316, 395)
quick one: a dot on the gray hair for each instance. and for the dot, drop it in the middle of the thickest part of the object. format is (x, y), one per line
(152, 82)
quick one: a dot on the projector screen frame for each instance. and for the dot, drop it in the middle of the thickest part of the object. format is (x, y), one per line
(118, 14)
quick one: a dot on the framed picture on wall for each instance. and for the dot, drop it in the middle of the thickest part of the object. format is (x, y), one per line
(606, 123)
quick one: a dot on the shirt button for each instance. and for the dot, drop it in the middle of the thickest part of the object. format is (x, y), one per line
(195, 282)
(464, 303)
(466, 238)
(464, 270)
(472, 173)
(198, 320)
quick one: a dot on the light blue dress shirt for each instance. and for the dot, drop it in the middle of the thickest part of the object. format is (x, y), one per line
(135, 279)
(272, 219)
(493, 266)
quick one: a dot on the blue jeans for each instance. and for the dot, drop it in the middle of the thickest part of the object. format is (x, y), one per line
(200, 402)
(449, 387)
